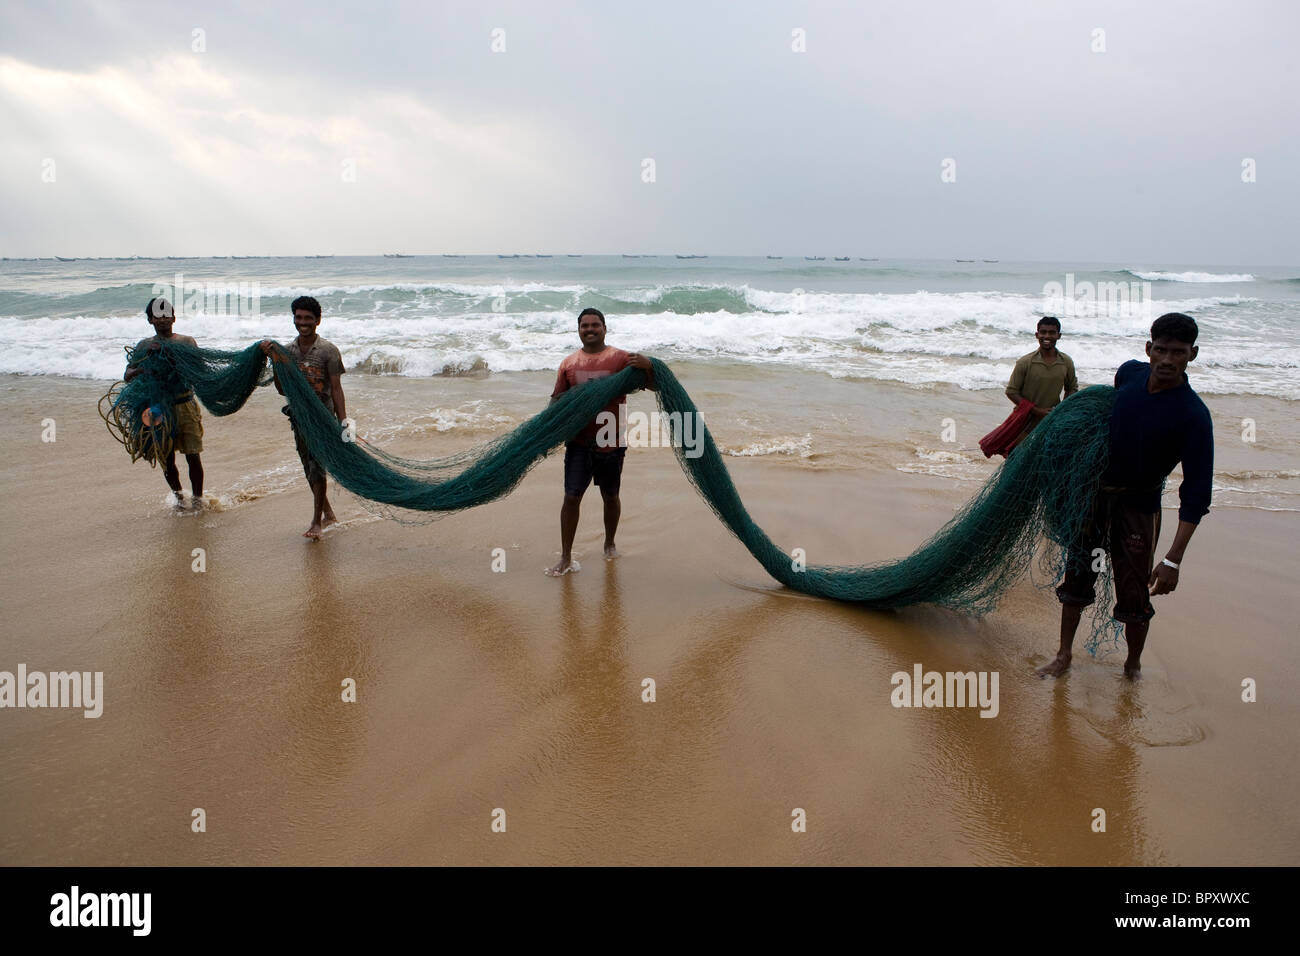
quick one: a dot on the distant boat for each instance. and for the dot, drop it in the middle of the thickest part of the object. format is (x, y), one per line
(860, 259)
(776, 257)
(330, 256)
(990, 260)
(815, 258)
(452, 255)
(241, 257)
(691, 257)
(627, 256)
(500, 256)
(964, 260)
(573, 255)
(182, 257)
(841, 258)
(540, 256)
(61, 259)
(396, 255)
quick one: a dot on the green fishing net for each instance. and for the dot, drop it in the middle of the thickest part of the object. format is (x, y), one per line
(1035, 504)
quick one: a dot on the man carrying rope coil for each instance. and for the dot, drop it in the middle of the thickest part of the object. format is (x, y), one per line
(185, 434)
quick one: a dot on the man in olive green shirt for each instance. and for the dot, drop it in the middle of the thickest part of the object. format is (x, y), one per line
(1040, 376)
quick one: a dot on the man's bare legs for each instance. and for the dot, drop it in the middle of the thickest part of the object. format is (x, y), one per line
(1135, 635)
(322, 514)
(1070, 614)
(195, 463)
(613, 508)
(173, 476)
(568, 529)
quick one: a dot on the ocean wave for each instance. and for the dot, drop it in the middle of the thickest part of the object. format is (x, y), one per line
(1192, 276)
(968, 339)
(1257, 475)
(470, 290)
(451, 303)
(473, 417)
(945, 457)
(682, 299)
(967, 354)
(944, 464)
(800, 447)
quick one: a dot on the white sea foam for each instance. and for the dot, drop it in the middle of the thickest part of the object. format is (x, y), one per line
(454, 288)
(944, 457)
(800, 447)
(1193, 276)
(472, 417)
(967, 339)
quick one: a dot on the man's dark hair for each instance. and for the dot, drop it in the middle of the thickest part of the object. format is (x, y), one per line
(1049, 320)
(149, 312)
(596, 312)
(306, 302)
(1175, 325)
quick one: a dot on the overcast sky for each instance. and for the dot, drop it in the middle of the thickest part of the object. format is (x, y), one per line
(365, 128)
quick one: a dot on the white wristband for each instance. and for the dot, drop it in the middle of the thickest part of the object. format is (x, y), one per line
(1170, 563)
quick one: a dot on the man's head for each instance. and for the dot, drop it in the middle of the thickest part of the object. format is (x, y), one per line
(1048, 331)
(306, 315)
(591, 328)
(1172, 346)
(161, 315)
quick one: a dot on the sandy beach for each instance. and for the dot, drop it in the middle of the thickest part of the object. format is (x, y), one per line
(479, 690)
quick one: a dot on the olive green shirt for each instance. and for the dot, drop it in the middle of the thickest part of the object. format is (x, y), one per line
(1034, 379)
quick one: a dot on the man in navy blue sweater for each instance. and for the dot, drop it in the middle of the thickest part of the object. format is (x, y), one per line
(1157, 422)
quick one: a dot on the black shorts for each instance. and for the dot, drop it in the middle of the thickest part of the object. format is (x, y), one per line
(1133, 534)
(582, 463)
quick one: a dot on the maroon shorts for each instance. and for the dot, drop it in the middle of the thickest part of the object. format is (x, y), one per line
(1128, 537)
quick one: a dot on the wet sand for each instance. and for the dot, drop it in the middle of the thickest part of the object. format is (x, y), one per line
(479, 690)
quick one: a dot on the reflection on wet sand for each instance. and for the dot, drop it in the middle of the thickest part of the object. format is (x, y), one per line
(478, 691)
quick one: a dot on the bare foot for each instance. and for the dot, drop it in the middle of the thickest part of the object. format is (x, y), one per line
(313, 532)
(1059, 665)
(564, 567)
(1133, 671)
(328, 520)
(610, 552)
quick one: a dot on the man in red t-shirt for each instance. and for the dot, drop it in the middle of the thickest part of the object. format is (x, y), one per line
(584, 458)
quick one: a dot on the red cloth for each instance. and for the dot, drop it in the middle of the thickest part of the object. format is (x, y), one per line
(1003, 438)
(583, 366)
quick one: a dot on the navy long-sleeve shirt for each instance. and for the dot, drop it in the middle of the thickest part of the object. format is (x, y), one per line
(1151, 433)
